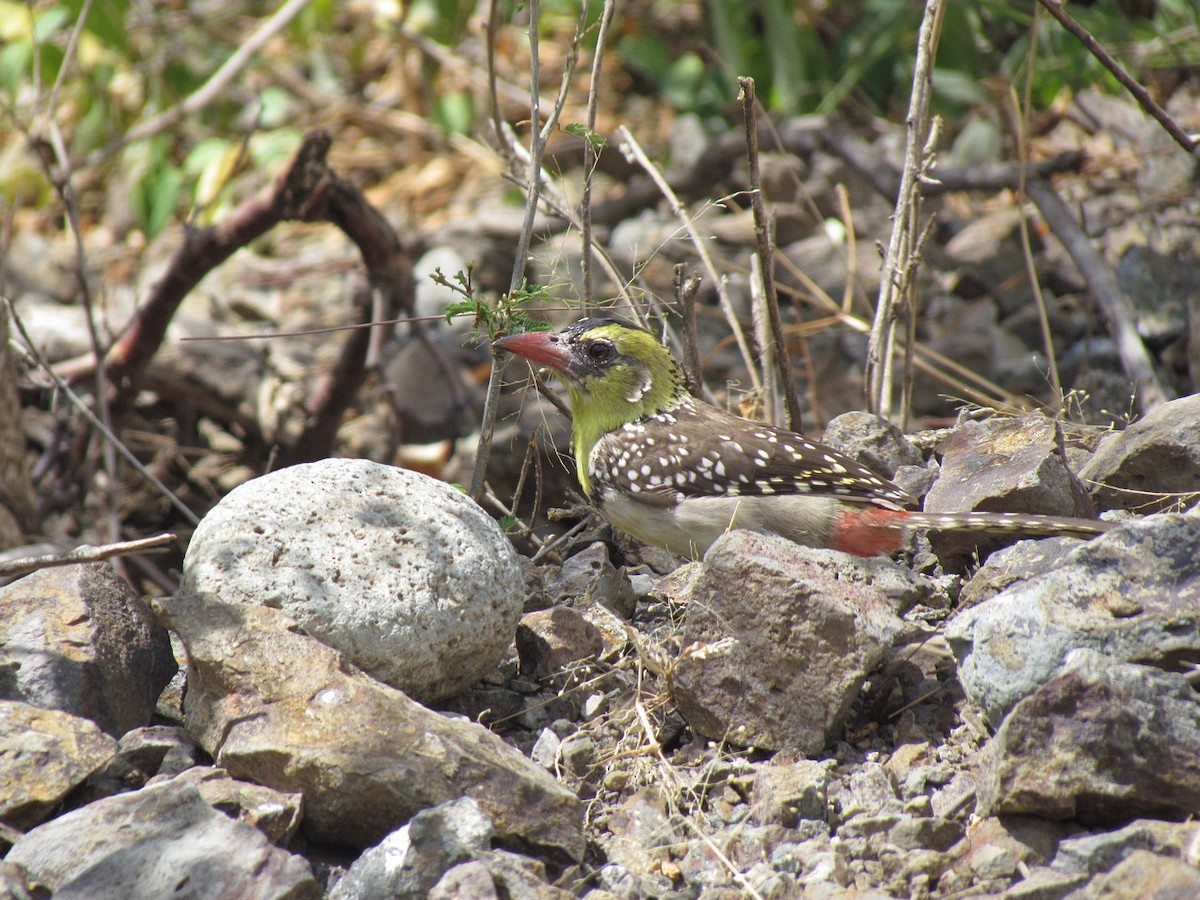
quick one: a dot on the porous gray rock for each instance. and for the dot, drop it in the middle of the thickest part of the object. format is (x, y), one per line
(404, 574)
(160, 841)
(1132, 594)
(79, 640)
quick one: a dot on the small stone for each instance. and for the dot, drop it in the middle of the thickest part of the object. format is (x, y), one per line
(550, 640)
(594, 705)
(545, 749)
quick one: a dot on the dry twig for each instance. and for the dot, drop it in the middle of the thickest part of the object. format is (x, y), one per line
(211, 89)
(766, 256)
(1135, 358)
(1140, 94)
(84, 554)
(896, 290)
(537, 147)
(634, 150)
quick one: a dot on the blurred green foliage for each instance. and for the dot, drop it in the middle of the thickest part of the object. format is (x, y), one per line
(138, 58)
(816, 57)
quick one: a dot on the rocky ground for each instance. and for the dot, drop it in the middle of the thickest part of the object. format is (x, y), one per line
(772, 721)
(588, 717)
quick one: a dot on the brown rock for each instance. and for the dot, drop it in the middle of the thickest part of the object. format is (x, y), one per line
(46, 754)
(551, 639)
(1104, 742)
(274, 813)
(1156, 454)
(787, 791)
(78, 639)
(1001, 465)
(277, 707)
(779, 639)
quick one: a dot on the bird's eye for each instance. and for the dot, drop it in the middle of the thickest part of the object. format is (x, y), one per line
(601, 351)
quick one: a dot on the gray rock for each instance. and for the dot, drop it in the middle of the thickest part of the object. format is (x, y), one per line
(1144, 875)
(1161, 288)
(1133, 594)
(998, 849)
(275, 706)
(1009, 565)
(1159, 453)
(642, 833)
(786, 791)
(78, 639)
(275, 813)
(924, 832)
(411, 860)
(143, 753)
(780, 638)
(399, 571)
(160, 841)
(1088, 854)
(1042, 883)
(1103, 742)
(45, 755)
(872, 440)
(470, 880)
(546, 749)
(590, 577)
(514, 875)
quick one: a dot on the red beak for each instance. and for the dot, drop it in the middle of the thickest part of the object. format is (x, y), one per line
(539, 347)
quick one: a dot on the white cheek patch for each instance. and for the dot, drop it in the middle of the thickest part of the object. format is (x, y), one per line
(639, 390)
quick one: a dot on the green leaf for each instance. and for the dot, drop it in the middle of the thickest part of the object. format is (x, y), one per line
(15, 60)
(164, 198)
(455, 112)
(106, 20)
(580, 130)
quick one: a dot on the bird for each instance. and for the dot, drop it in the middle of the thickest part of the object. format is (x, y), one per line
(676, 472)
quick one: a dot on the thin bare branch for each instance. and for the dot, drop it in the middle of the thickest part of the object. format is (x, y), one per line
(211, 89)
(766, 256)
(31, 350)
(634, 150)
(1140, 94)
(896, 294)
(1020, 115)
(1135, 358)
(685, 295)
(537, 147)
(85, 553)
(590, 153)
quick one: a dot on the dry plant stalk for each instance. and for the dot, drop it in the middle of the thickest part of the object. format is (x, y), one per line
(633, 150)
(537, 146)
(84, 554)
(766, 257)
(898, 283)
